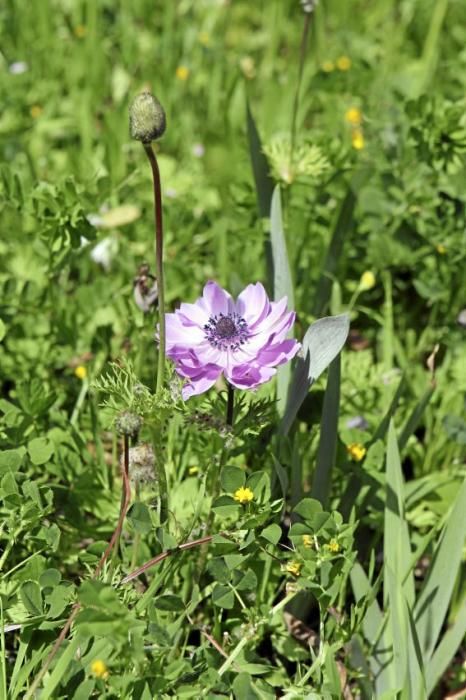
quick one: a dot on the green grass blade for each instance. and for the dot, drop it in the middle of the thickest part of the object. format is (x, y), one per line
(397, 550)
(264, 185)
(354, 485)
(434, 598)
(406, 666)
(260, 166)
(328, 435)
(446, 650)
(398, 622)
(282, 285)
(52, 681)
(381, 431)
(335, 248)
(3, 653)
(375, 630)
(414, 418)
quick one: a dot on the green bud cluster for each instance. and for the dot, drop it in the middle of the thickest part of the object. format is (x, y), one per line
(128, 423)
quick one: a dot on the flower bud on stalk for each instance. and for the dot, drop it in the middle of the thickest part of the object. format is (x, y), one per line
(127, 423)
(147, 121)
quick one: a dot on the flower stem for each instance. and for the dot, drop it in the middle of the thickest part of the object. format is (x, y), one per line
(230, 405)
(158, 262)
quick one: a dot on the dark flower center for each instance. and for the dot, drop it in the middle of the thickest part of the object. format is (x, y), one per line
(225, 327)
(226, 332)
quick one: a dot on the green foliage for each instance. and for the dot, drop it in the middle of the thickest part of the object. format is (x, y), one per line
(281, 563)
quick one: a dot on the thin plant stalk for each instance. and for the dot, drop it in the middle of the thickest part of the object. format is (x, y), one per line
(162, 477)
(158, 262)
(230, 406)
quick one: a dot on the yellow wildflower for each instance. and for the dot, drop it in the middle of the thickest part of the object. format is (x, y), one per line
(204, 38)
(308, 541)
(99, 669)
(367, 280)
(357, 139)
(328, 66)
(333, 546)
(36, 111)
(80, 372)
(243, 495)
(182, 73)
(248, 67)
(356, 451)
(353, 116)
(343, 63)
(193, 470)
(80, 31)
(441, 250)
(293, 567)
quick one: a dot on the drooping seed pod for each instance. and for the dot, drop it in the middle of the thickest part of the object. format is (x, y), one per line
(145, 289)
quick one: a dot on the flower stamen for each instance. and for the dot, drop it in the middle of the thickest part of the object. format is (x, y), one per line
(226, 332)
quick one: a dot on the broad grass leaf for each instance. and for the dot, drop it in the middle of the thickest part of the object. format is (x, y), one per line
(260, 166)
(444, 653)
(397, 549)
(282, 285)
(322, 342)
(327, 451)
(433, 601)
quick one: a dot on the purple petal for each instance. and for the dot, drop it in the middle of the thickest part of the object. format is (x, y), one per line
(249, 377)
(278, 353)
(198, 386)
(200, 382)
(253, 304)
(176, 333)
(216, 300)
(193, 314)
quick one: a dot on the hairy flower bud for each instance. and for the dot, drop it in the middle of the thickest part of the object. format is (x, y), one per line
(128, 423)
(147, 120)
(142, 463)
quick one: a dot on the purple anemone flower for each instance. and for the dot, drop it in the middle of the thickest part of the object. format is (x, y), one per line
(244, 339)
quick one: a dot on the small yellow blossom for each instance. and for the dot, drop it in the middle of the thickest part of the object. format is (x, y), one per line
(243, 495)
(367, 280)
(328, 66)
(353, 116)
(99, 669)
(80, 31)
(333, 546)
(356, 451)
(308, 541)
(35, 111)
(293, 567)
(193, 470)
(80, 372)
(343, 63)
(204, 38)
(441, 250)
(357, 139)
(182, 73)
(248, 67)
